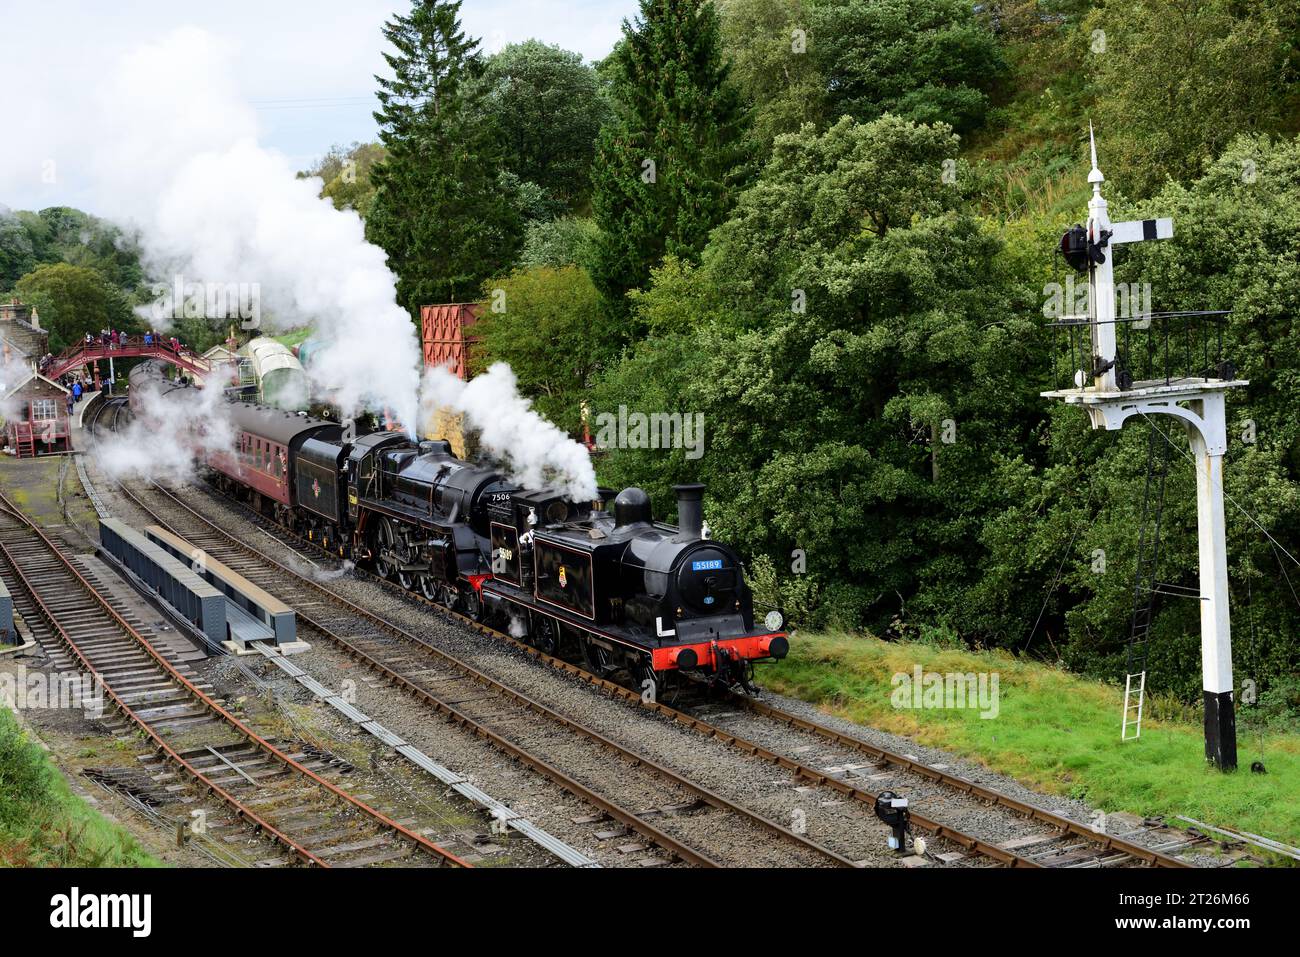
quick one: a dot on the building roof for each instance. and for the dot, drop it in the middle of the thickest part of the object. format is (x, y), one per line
(32, 376)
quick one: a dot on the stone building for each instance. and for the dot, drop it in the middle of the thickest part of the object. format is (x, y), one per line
(34, 408)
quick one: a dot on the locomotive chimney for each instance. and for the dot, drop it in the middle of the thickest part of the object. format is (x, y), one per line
(690, 509)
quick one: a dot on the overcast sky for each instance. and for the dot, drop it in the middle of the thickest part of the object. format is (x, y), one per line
(306, 67)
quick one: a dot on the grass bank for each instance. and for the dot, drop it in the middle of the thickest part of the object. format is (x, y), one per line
(42, 823)
(1053, 731)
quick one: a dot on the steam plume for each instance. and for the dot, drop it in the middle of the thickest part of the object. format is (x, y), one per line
(166, 433)
(175, 155)
(534, 451)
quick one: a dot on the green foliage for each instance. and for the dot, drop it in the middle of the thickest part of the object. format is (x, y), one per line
(60, 234)
(73, 300)
(1278, 708)
(925, 60)
(17, 252)
(772, 66)
(442, 210)
(668, 164)
(552, 332)
(548, 107)
(25, 777)
(821, 423)
(346, 174)
(1027, 155)
(1178, 79)
(42, 824)
(567, 241)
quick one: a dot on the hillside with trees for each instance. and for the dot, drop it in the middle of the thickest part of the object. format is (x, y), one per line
(840, 256)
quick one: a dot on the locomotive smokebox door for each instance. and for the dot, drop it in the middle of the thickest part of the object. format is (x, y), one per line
(507, 563)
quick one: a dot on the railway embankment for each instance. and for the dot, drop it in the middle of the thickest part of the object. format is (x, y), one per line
(1046, 728)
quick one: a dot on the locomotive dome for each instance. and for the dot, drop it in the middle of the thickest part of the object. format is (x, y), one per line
(632, 506)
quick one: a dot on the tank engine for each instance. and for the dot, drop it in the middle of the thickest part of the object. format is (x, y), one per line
(641, 596)
(600, 581)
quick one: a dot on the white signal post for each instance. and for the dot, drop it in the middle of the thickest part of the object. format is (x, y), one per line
(1101, 283)
(1199, 405)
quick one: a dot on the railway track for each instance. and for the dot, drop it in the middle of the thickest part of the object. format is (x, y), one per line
(109, 413)
(272, 792)
(1052, 840)
(684, 818)
(1058, 841)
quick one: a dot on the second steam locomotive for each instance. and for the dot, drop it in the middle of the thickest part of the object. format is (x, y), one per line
(600, 581)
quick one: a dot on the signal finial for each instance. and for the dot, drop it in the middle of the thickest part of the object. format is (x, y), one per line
(1095, 176)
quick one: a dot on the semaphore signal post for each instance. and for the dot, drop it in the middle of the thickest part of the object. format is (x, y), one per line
(1166, 364)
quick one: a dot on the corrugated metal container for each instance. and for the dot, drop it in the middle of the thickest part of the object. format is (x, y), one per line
(444, 332)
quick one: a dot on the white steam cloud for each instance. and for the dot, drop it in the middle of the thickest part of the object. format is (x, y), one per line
(166, 434)
(172, 151)
(14, 370)
(535, 452)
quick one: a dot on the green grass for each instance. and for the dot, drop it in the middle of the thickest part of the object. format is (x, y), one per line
(1053, 731)
(42, 823)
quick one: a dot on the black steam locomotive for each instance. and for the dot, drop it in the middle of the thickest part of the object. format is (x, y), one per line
(600, 581)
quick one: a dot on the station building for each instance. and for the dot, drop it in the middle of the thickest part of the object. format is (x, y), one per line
(34, 408)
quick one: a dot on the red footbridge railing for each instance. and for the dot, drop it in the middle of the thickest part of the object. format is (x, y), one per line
(128, 347)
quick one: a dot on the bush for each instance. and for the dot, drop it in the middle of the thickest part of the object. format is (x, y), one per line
(25, 777)
(1278, 708)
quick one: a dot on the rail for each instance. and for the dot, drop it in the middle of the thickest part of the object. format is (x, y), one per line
(241, 810)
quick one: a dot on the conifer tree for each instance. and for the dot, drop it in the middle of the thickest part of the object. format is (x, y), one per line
(441, 211)
(668, 167)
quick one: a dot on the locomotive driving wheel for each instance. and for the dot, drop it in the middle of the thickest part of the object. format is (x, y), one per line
(598, 659)
(384, 543)
(542, 635)
(428, 587)
(646, 680)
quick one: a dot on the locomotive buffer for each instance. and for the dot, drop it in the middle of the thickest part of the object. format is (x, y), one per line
(1193, 397)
